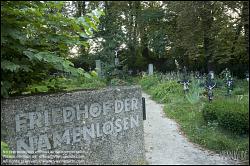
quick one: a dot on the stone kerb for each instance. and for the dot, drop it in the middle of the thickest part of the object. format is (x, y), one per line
(83, 127)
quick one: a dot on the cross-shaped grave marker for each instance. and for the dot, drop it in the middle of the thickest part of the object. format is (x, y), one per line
(210, 84)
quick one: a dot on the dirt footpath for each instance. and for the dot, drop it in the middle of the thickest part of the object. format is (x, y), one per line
(166, 145)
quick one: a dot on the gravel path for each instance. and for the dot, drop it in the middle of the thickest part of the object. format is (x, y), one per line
(165, 144)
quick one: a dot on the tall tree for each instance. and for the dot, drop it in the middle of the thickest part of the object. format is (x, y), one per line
(245, 19)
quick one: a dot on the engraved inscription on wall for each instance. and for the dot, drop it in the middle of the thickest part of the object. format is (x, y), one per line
(45, 119)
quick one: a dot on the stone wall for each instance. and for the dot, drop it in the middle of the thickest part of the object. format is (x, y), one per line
(83, 127)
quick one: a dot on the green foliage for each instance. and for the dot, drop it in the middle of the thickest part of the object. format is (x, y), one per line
(36, 38)
(118, 82)
(241, 87)
(94, 73)
(164, 91)
(64, 84)
(196, 34)
(148, 81)
(194, 93)
(140, 62)
(209, 113)
(7, 65)
(5, 150)
(220, 83)
(198, 120)
(230, 114)
(239, 91)
(209, 135)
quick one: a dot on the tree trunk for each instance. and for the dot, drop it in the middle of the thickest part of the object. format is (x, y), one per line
(207, 21)
(236, 36)
(81, 11)
(130, 28)
(245, 19)
(136, 11)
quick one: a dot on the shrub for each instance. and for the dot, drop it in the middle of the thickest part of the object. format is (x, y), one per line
(165, 91)
(64, 84)
(239, 91)
(220, 82)
(241, 87)
(195, 91)
(148, 81)
(209, 113)
(230, 114)
(235, 117)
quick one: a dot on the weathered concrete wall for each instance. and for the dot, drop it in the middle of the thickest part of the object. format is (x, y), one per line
(83, 127)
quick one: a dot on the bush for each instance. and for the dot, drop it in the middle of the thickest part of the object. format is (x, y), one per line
(164, 91)
(148, 81)
(241, 87)
(195, 91)
(234, 120)
(209, 113)
(230, 114)
(239, 91)
(56, 84)
(220, 82)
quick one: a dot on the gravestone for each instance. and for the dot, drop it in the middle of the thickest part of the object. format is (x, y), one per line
(229, 84)
(98, 68)
(116, 61)
(82, 127)
(211, 73)
(150, 69)
(209, 85)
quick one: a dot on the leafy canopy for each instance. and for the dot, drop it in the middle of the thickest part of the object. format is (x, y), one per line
(36, 39)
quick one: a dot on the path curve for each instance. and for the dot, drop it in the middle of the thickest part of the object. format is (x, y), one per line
(165, 145)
